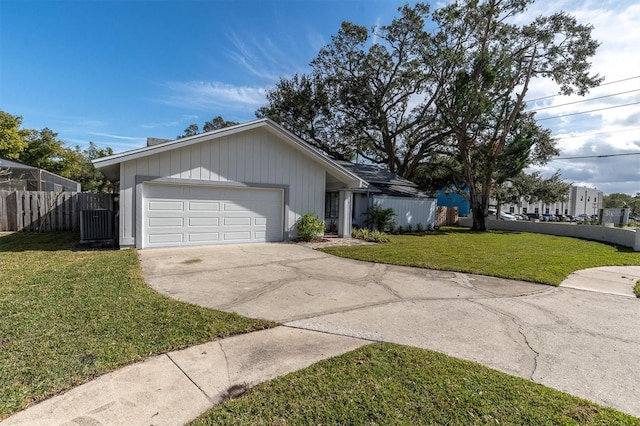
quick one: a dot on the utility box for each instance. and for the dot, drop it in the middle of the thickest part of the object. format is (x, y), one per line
(96, 225)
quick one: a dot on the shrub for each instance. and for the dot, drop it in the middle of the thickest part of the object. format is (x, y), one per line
(419, 227)
(377, 218)
(309, 227)
(371, 236)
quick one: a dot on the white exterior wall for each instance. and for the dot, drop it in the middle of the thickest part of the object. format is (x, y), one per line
(410, 211)
(253, 157)
(622, 236)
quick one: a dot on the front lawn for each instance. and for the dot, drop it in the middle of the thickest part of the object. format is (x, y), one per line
(68, 316)
(523, 256)
(392, 384)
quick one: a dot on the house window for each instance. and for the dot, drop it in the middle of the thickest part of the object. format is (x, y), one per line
(537, 210)
(524, 210)
(546, 211)
(331, 204)
(557, 211)
(512, 209)
(566, 211)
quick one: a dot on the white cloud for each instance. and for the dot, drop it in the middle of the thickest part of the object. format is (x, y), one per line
(206, 95)
(265, 59)
(118, 137)
(610, 130)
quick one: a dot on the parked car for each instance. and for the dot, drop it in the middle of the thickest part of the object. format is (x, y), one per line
(503, 215)
(562, 218)
(548, 217)
(583, 218)
(534, 216)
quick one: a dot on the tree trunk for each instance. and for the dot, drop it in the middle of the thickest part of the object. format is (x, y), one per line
(479, 218)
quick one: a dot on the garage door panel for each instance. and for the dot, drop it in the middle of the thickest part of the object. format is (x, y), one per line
(165, 221)
(235, 221)
(204, 221)
(206, 206)
(237, 236)
(237, 207)
(172, 238)
(182, 215)
(161, 205)
(209, 237)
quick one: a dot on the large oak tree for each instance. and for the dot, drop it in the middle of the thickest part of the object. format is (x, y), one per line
(490, 62)
(370, 95)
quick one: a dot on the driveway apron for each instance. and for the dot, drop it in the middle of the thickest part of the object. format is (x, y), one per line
(580, 342)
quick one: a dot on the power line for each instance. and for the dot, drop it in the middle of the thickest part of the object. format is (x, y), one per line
(584, 100)
(599, 133)
(603, 84)
(597, 156)
(586, 112)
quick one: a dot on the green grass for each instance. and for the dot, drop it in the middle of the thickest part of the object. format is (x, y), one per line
(531, 257)
(399, 385)
(68, 316)
(636, 289)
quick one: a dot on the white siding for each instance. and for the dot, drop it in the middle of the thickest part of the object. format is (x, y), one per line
(252, 157)
(410, 211)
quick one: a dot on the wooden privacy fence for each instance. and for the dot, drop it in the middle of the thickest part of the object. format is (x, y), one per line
(447, 216)
(43, 211)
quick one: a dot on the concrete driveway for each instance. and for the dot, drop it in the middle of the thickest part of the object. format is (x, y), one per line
(581, 342)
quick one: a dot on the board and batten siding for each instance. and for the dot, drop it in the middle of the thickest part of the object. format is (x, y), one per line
(410, 211)
(252, 157)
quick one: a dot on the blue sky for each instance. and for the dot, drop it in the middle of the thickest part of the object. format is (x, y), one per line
(115, 72)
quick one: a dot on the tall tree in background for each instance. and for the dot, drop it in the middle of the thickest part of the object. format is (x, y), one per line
(619, 200)
(300, 104)
(490, 63)
(12, 137)
(215, 123)
(43, 149)
(77, 165)
(370, 93)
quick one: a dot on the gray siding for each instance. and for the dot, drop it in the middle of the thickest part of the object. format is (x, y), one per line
(252, 157)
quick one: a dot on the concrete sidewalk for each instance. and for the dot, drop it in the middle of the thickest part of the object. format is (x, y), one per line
(618, 280)
(174, 388)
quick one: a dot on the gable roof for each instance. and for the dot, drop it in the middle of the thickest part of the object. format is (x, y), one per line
(15, 165)
(384, 181)
(110, 165)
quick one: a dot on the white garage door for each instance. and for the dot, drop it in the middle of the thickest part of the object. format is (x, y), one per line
(176, 215)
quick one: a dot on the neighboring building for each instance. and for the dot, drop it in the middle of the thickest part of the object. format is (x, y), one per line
(245, 183)
(15, 176)
(580, 200)
(455, 199)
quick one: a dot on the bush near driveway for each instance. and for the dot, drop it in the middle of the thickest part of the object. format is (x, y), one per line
(546, 259)
(68, 316)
